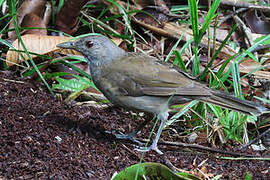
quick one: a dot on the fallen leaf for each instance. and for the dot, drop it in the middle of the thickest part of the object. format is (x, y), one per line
(33, 20)
(67, 18)
(37, 44)
(28, 6)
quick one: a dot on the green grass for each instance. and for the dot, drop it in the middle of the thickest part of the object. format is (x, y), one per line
(233, 123)
(12, 12)
(199, 33)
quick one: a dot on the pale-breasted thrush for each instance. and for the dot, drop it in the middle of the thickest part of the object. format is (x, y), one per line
(143, 83)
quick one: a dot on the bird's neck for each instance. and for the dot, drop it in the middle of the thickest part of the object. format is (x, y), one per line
(104, 58)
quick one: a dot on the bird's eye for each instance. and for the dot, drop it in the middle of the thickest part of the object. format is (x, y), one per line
(89, 44)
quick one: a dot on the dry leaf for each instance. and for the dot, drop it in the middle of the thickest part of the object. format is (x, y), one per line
(174, 30)
(204, 172)
(117, 41)
(67, 18)
(248, 66)
(37, 44)
(33, 20)
(28, 6)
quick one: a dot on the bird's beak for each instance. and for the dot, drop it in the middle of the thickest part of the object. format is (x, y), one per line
(66, 45)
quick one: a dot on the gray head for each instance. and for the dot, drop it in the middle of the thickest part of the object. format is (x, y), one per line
(96, 49)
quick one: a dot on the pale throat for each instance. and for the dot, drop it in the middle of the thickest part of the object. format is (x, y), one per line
(105, 56)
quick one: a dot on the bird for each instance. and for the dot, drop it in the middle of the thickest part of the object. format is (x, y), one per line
(143, 83)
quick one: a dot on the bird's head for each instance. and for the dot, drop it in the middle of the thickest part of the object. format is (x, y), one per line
(97, 49)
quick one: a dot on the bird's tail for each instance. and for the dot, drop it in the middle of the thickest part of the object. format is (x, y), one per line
(227, 101)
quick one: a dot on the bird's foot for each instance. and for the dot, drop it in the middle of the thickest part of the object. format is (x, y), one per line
(147, 149)
(128, 137)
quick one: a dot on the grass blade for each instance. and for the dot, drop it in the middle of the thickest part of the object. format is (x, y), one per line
(217, 52)
(236, 79)
(12, 10)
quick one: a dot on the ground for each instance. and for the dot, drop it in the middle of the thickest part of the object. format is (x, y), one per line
(42, 137)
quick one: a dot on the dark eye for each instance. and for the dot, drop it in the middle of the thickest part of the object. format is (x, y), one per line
(89, 44)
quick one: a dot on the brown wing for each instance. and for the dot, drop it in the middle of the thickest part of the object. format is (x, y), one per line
(139, 74)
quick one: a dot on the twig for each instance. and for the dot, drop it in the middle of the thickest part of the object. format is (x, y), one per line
(14, 81)
(246, 158)
(245, 29)
(254, 140)
(241, 4)
(132, 152)
(196, 146)
(231, 15)
(168, 163)
(261, 47)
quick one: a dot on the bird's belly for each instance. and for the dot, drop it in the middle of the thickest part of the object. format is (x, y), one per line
(149, 104)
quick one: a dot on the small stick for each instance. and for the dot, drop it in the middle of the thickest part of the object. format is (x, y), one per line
(14, 81)
(254, 140)
(196, 146)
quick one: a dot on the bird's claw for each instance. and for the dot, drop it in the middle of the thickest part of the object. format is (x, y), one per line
(147, 149)
(128, 137)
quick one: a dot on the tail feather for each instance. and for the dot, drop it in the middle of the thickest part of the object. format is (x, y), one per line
(236, 104)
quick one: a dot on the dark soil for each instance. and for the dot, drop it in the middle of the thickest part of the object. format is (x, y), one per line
(44, 138)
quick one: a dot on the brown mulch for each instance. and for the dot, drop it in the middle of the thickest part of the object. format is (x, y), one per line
(44, 138)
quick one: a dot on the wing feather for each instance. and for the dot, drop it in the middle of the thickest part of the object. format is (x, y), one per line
(140, 75)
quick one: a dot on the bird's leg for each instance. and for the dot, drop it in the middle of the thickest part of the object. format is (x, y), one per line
(163, 117)
(131, 136)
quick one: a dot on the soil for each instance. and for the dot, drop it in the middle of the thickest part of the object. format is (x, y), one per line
(42, 137)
